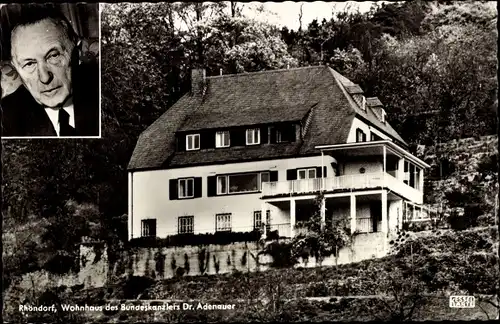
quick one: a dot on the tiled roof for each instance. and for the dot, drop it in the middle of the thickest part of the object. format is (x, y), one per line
(254, 98)
(235, 154)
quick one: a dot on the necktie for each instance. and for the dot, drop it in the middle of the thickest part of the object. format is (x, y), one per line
(64, 128)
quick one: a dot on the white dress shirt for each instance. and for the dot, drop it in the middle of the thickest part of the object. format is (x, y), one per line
(53, 114)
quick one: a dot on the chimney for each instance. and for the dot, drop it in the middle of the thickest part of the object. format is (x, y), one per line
(197, 81)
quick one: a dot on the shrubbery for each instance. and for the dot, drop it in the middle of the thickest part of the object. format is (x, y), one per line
(222, 238)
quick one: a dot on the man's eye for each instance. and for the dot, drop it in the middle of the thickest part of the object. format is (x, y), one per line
(29, 64)
(54, 55)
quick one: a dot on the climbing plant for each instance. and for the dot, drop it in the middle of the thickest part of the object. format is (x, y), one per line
(320, 240)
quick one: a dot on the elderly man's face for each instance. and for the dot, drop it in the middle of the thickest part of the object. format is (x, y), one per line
(41, 53)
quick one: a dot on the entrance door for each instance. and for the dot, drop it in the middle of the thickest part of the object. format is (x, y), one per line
(376, 215)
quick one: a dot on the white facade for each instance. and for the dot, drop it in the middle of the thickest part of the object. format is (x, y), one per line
(149, 193)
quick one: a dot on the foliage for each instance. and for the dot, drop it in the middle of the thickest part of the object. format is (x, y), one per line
(222, 238)
(320, 240)
(407, 297)
(281, 253)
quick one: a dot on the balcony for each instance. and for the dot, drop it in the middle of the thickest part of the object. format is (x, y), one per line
(349, 182)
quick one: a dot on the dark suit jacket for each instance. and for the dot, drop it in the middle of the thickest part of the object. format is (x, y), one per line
(23, 116)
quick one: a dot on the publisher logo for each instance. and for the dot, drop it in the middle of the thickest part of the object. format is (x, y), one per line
(462, 301)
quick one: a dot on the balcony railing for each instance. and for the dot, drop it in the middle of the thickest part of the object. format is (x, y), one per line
(355, 181)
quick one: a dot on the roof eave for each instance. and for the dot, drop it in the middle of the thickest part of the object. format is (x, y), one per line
(388, 143)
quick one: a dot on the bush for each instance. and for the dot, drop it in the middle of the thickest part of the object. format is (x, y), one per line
(135, 285)
(281, 253)
(61, 263)
(222, 238)
(469, 219)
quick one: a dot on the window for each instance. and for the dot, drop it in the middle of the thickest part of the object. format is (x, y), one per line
(268, 221)
(238, 183)
(285, 133)
(222, 222)
(375, 137)
(360, 136)
(222, 139)
(253, 136)
(186, 188)
(243, 182)
(148, 227)
(221, 185)
(306, 174)
(382, 115)
(192, 142)
(257, 219)
(186, 224)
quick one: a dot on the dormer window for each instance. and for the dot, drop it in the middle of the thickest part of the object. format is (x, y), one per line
(360, 100)
(382, 115)
(253, 136)
(192, 142)
(360, 136)
(222, 139)
(285, 133)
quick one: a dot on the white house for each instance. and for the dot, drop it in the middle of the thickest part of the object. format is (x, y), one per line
(242, 150)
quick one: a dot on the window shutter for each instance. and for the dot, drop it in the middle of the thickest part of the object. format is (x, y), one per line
(273, 176)
(197, 187)
(263, 134)
(173, 189)
(291, 174)
(181, 143)
(237, 137)
(211, 186)
(294, 131)
(207, 140)
(272, 139)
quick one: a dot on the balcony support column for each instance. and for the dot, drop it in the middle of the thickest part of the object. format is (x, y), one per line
(263, 219)
(323, 213)
(384, 168)
(384, 212)
(401, 169)
(421, 179)
(353, 213)
(292, 217)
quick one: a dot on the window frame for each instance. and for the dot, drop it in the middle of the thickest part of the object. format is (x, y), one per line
(360, 132)
(148, 222)
(228, 185)
(185, 187)
(254, 131)
(181, 226)
(193, 136)
(307, 170)
(223, 229)
(226, 180)
(223, 135)
(259, 220)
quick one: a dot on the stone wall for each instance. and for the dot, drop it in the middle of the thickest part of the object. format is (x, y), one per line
(163, 263)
